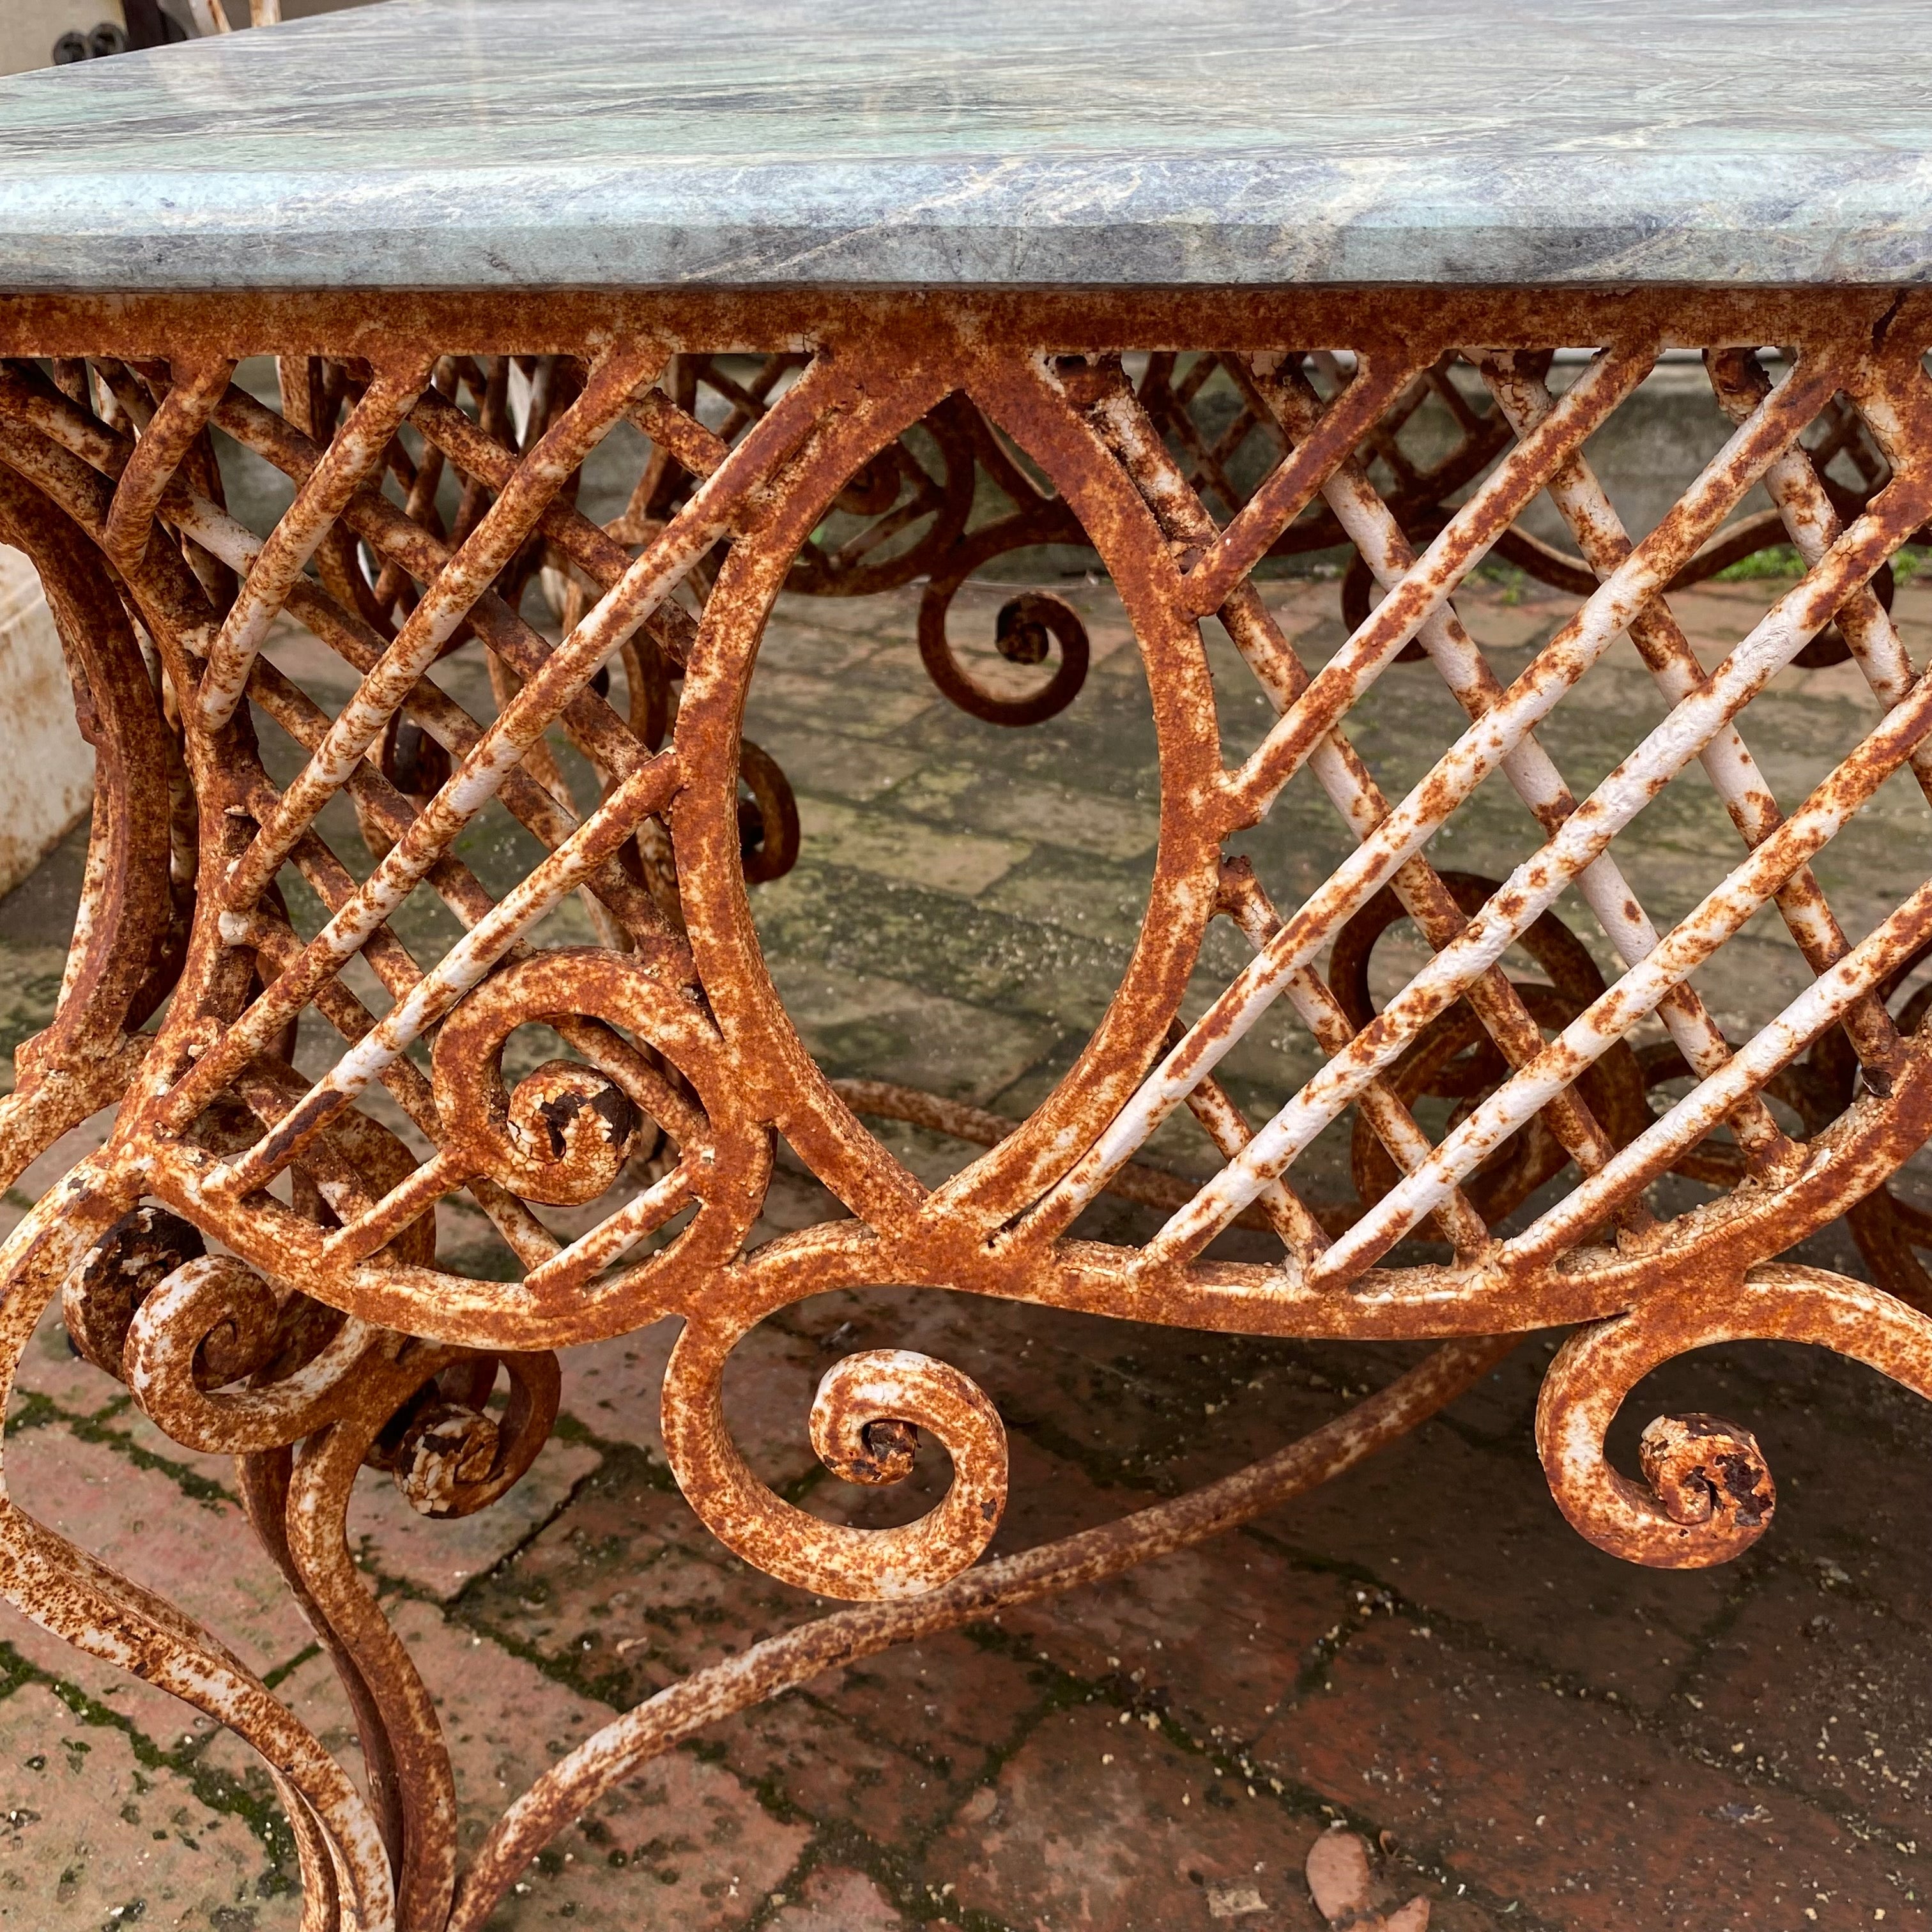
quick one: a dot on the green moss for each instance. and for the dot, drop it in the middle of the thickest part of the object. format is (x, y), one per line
(1782, 560)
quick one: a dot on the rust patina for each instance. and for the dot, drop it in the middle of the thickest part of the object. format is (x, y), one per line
(252, 1251)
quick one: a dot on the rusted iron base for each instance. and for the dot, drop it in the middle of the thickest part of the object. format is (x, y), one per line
(841, 445)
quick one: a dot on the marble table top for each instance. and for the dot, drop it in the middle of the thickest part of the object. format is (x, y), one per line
(641, 143)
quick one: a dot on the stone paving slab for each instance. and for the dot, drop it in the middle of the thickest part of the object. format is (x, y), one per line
(91, 1836)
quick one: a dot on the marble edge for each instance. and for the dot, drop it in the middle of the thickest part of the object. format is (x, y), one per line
(984, 222)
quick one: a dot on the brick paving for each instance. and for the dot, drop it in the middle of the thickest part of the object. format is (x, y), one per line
(1527, 1733)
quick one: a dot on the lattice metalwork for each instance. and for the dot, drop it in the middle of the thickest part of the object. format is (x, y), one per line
(253, 1251)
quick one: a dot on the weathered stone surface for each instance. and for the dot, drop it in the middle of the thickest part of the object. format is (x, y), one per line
(1569, 1807)
(682, 1844)
(441, 1556)
(1098, 1823)
(613, 1389)
(834, 1900)
(196, 1550)
(90, 1837)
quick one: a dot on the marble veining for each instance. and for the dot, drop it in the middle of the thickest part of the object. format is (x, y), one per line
(527, 142)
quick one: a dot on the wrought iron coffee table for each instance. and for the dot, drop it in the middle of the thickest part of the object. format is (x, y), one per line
(889, 297)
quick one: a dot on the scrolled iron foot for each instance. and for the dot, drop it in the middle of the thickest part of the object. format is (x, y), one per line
(865, 1422)
(1708, 1494)
(1702, 1468)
